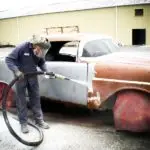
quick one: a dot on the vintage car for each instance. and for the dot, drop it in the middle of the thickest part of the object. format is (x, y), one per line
(114, 78)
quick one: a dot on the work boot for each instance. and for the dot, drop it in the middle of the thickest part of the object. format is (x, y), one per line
(24, 128)
(42, 124)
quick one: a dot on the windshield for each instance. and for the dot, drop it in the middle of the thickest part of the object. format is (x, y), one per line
(99, 47)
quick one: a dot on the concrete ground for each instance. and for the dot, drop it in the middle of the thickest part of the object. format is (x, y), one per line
(74, 129)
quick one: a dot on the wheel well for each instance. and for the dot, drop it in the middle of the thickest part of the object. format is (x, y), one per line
(110, 102)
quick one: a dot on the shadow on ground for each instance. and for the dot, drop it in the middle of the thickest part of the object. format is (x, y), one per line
(78, 113)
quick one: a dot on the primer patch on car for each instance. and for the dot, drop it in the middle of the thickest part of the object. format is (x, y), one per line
(94, 100)
(91, 75)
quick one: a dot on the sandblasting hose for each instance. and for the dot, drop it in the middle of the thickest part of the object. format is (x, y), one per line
(4, 99)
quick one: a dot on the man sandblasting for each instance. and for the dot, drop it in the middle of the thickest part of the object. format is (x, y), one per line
(25, 58)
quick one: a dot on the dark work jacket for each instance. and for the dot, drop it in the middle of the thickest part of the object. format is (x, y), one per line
(22, 58)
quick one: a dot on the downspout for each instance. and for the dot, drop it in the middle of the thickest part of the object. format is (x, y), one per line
(18, 31)
(116, 24)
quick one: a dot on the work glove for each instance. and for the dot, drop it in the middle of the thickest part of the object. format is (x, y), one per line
(19, 74)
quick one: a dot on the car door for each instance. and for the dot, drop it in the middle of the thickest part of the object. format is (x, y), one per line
(65, 90)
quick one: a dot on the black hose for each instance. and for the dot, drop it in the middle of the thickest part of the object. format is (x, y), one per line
(4, 99)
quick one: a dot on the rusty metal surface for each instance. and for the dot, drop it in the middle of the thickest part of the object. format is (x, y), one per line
(118, 72)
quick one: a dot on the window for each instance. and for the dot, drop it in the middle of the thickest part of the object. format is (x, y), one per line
(62, 51)
(99, 47)
(139, 12)
(69, 48)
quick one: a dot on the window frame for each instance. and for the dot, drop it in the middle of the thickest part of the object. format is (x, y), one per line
(139, 12)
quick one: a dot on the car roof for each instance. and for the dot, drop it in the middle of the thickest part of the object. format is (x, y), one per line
(74, 36)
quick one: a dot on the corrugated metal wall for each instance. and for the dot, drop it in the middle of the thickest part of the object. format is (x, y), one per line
(117, 22)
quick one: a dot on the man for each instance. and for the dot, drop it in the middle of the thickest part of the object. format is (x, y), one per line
(23, 59)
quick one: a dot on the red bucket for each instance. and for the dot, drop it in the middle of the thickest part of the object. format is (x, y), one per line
(10, 96)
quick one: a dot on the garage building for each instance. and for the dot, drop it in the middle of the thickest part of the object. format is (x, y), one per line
(127, 21)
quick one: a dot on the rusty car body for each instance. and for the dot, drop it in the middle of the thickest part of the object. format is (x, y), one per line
(98, 61)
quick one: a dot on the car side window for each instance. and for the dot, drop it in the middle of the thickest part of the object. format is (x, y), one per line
(98, 47)
(69, 48)
(68, 52)
(64, 51)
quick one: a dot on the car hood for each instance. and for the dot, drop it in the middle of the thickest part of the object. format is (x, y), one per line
(137, 58)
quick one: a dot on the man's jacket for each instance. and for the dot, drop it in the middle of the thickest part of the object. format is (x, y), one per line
(23, 59)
